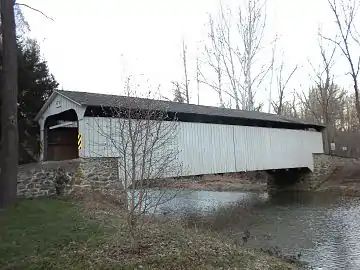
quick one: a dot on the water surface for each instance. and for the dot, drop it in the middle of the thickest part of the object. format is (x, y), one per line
(323, 228)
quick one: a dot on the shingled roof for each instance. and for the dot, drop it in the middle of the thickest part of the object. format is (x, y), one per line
(95, 99)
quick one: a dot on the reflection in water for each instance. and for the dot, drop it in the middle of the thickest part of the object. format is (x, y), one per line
(324, 228)
(206, 202)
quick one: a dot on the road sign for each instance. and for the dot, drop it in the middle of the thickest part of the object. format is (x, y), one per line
(79, 141)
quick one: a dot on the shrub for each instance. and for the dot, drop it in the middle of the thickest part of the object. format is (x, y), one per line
(61, 180)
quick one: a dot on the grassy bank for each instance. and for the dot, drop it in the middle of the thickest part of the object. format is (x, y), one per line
(62, 234)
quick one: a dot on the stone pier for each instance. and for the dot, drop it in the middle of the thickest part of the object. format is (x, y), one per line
(302, 179)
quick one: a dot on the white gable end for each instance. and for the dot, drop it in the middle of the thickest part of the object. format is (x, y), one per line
(59, 105)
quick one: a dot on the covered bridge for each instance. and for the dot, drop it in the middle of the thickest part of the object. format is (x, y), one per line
(210, 139)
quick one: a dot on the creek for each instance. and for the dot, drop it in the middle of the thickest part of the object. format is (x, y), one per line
(323, 228)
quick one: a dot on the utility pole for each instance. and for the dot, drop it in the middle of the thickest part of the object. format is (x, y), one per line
(9, 123)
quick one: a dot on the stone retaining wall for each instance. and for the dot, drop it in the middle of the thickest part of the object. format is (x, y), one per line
(39, 179)
(101, 174)
(302, 179)
(325, 166)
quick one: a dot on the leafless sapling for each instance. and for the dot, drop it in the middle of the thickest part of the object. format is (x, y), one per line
(142, 133)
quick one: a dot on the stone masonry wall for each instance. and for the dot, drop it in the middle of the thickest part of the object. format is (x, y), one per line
(325, 166)
(98, 174)
(302, 179)
(101, 174)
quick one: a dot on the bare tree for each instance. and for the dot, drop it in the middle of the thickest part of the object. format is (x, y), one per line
(198, 80)
(251, 26)
(324, 83)
(345, 14)
(324, 103)
(181, 90)
(292, 108)
(142, 134)
(272, 73)
(9, 128)
(213, 60)
(235, 43)
(228, 55)
(348, 121)
(186, 81)
(178, 93)
(282, 83)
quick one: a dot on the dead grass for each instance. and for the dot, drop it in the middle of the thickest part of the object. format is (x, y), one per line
(167, 244)
(92, 234)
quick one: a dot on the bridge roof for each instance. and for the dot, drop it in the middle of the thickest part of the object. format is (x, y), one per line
(104, 100)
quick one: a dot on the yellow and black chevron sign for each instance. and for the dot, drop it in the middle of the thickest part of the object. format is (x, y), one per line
(79, 141)
(41, 145)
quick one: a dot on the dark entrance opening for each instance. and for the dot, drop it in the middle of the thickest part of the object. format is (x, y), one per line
(61, 135)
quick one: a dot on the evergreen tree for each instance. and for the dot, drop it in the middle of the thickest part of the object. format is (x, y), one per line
(35, 85)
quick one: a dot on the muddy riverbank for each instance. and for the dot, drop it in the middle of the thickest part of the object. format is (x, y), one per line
(246, 181)
(345, 181)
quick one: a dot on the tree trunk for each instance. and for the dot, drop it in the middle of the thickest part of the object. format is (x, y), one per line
(9, 129)
(186, 75)
(326, 142)
(357, 100)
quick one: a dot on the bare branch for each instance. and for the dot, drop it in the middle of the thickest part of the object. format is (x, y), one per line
(281, 87)
(344, 19)
(35, 9)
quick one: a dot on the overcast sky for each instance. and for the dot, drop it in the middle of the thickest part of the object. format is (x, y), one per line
(91, 42)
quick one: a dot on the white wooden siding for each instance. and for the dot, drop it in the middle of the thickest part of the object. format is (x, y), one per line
(59, 105)
(103, 138)
(264, 148)
(212, 148)
(206, 148)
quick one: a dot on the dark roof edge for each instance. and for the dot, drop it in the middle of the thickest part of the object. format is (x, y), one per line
(282, 119)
